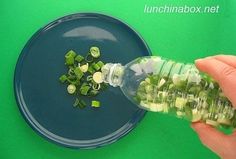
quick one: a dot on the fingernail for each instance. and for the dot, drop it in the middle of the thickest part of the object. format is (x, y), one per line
(201, 59)
(209, 57)
(198, 60)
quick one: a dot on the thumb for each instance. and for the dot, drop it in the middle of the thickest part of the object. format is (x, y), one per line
(223, 73)
(210, 137)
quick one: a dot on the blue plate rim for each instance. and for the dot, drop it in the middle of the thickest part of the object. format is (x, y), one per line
(125, 129)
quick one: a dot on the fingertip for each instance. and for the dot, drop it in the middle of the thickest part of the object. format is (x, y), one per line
(198, 63)
(201, 63)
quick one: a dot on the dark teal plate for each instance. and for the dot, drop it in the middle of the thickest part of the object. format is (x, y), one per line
(44, 101)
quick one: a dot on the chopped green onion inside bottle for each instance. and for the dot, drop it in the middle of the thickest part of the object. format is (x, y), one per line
(186, 95)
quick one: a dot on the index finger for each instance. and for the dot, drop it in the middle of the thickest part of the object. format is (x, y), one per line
(223, 73)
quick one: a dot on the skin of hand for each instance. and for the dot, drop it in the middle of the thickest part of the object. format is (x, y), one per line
(222, 68)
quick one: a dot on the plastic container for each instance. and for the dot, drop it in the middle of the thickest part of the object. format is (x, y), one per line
(166, 86)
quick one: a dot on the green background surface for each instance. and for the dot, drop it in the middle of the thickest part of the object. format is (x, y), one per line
(182, 37)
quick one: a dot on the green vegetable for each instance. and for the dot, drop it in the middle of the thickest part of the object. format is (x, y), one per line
(89, 58)
(96, 86)
(70, 57)
(71, 89)
(63, 78)
(93, 92)
(100, 64)
(89, 78)
(180, 102)
(82, 104)
(70, 53)
(84, 68)
(78, 73)
(79, 103)
(97, 77)
(95, 104)
(96, 66)
(76, 103)
(82, 79)
(84, 89)
(95, 52)
(91, 70)
(186, 95)
(79, 58)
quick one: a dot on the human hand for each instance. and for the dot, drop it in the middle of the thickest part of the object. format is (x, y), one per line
(222, 68)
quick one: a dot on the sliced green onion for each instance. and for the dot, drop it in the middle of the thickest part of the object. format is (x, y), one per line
(79, 58)
(194, 89)
(93, 92)
(95, 52)
(76, 103)
(212, 122)
(91, 70)
(84, 68)
(70, 57)
(90, 84)
(84, 75)
(100, 63)
(149, 88)
(63, 78)
(71, 77)
(89, 58)
(71, 89)
(95, 104)
(180, 102)
(96, 86)
(82, 104)
(71, 72)
(78, 73)
(70, 53)
(96, 67)
(196, 116)
(84, 89)
(203, 94)
(104, 86)
(97, 77)
(89, 78)
(79, 103)
(69, 61)
(186, 96)
(74, 82)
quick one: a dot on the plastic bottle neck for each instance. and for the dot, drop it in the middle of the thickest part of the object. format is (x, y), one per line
(112, 73)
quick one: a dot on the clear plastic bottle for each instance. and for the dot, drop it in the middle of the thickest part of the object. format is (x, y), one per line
(166, 86)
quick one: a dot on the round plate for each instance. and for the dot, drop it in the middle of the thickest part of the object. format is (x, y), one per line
(44, 101)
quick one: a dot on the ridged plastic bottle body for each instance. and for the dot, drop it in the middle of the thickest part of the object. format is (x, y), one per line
(161, 85)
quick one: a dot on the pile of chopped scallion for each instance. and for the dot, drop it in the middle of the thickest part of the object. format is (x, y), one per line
(84, 77)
